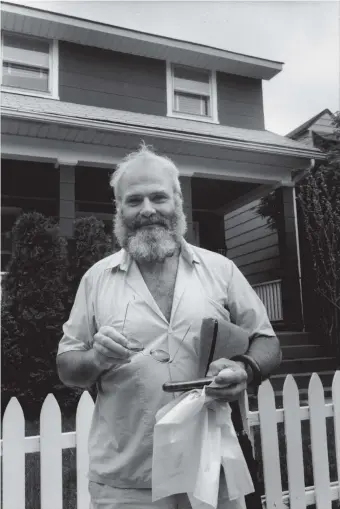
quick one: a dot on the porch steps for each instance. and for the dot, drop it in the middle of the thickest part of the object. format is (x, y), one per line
(302, 355)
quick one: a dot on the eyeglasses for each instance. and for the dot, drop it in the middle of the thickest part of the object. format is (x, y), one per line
(158, 355)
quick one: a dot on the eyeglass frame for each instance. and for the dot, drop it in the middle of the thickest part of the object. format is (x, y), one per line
(142, 351)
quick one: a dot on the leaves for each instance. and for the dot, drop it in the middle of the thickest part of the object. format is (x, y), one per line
(38, 291)
(319, 200)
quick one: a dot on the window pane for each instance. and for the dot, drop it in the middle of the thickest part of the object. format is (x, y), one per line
(194, 81)
(26, 51)
(20, 76)
(192, 104)
(188, 73)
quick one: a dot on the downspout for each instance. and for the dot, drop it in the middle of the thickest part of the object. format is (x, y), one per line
(296, 180)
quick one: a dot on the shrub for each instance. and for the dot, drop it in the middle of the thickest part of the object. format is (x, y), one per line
(38, 291)
(32, 310)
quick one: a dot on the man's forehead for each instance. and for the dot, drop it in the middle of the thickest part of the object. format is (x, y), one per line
(148, 176)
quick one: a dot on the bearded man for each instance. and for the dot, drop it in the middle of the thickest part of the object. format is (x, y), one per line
(135, 324)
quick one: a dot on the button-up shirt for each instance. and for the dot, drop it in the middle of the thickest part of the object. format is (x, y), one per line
(113, 292)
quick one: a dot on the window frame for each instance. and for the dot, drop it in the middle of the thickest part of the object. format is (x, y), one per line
(53, 92)
(170, 89)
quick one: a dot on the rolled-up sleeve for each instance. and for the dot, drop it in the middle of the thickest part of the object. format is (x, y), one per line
(246, 308)
(80, 327)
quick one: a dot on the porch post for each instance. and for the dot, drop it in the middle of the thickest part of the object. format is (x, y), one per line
(67, 197)
(290, 259)
(187, 206)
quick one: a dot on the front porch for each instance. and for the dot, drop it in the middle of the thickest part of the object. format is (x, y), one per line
(66, 192)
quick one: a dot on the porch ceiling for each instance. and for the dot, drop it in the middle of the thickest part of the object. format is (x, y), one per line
(213, 195)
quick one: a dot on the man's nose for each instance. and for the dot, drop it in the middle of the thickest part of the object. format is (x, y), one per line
(147, 208)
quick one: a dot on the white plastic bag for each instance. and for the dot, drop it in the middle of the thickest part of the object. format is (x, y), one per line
(193, 437)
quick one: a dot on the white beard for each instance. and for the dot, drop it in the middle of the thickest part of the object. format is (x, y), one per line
(152, 244)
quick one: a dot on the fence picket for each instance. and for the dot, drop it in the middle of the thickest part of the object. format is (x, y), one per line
(316, 400)
(83, 423)
(336, 406)
(13, 456)
(270, 447)
(296, 479)
(51, 455)
(51, 441)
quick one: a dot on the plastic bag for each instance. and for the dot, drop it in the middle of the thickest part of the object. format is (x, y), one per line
(193, 437)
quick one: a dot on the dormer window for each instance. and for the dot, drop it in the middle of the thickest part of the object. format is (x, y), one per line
(191, 93)
(29, 65)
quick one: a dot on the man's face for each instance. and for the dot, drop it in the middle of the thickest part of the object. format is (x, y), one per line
(149, 221)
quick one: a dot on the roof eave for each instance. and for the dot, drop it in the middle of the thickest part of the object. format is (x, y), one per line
(81, 31)
(164, 133)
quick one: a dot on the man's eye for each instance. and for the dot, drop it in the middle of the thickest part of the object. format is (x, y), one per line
(133, 201)
(159, 198)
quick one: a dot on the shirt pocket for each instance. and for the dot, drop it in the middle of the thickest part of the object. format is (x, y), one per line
(218, 310)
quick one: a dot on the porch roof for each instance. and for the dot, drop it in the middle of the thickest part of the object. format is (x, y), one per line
(91, 120)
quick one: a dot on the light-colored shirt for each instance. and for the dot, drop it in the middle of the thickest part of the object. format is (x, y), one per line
(113, 292)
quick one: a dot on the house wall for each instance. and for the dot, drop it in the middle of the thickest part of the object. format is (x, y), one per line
(104, 78)
(240, 101)
(323, 124)
(252, 245)
(109, 79)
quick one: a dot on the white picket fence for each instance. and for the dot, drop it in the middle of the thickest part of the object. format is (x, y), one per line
(52, 441)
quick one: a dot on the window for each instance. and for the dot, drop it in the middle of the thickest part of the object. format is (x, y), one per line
(29, 65)
(191, 93)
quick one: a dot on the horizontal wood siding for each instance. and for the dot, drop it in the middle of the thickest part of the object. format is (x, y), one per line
(324, 124)
(98, 77)
(252, 245)
(240, 101)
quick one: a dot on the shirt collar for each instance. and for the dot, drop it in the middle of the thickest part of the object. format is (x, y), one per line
(122, 259)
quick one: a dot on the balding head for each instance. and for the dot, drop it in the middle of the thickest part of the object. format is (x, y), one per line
(142, 159)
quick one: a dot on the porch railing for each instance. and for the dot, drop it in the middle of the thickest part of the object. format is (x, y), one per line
(270, 294)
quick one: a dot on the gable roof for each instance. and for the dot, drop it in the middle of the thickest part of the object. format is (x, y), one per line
(306, 125)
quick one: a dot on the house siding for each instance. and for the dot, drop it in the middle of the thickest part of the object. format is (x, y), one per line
(323, 124)
(109, 79)
(240, 101)
(252, 245)
(104, 78)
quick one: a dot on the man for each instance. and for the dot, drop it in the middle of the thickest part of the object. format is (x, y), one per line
(153, 293)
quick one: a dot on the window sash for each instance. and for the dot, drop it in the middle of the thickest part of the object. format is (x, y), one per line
(25, 51)
(29, 64)
(185, 88)
(185, 103)
(25, 77)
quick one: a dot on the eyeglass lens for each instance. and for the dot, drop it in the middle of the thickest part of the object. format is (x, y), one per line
(136, 346)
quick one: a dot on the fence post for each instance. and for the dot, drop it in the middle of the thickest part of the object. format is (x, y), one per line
(83, 423)
(318, 435)
(13, 456)
(51, 455)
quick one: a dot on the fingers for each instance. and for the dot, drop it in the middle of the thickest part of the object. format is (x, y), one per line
(112, 333)
(217, 366)
(229, 382)
(110, 343)
(231, 375)
(227, 393)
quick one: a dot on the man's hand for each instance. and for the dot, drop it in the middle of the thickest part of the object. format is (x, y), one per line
(230, 380)
(109, 348)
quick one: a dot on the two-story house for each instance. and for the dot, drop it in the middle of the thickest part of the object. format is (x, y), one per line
(78, 95)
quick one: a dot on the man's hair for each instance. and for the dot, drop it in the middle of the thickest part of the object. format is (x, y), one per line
(145, 153)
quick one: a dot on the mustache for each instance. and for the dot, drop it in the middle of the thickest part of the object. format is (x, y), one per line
(156, 220)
